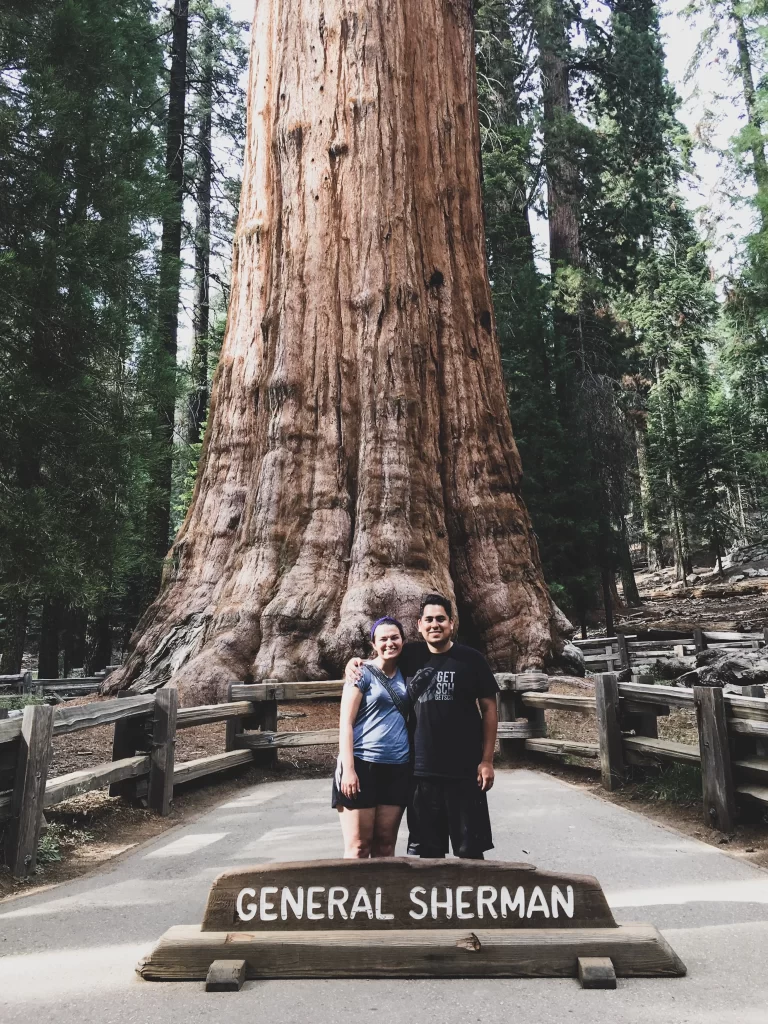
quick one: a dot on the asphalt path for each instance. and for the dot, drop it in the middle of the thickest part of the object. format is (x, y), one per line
(67, 954)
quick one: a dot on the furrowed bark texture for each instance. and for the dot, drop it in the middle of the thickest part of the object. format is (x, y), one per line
(359, 450)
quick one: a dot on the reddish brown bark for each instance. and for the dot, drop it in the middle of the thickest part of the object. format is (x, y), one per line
(359, 449)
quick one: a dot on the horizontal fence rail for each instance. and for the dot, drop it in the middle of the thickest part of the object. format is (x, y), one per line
(627, 652)
(76, 686)
(732, 751)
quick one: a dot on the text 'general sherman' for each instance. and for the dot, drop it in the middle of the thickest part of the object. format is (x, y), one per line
(438, 903)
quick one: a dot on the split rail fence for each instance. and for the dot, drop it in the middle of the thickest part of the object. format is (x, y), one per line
(624, 651)
(732, 750)
(76, 686)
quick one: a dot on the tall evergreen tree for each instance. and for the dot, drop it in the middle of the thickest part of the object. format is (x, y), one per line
(79, 94)
(162, 369)
(218, 58)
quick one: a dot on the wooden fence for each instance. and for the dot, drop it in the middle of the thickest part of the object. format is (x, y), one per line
(732, 749)
(624, 651)
(77, 686)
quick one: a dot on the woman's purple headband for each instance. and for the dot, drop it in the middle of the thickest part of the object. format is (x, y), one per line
(386, 621)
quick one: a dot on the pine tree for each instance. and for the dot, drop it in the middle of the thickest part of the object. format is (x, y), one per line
(218, 58)
(79, 96)
(162, 368)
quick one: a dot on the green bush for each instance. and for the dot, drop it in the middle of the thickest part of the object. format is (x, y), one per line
(49, 848)
(19, 702)
(58, 837)
(675, 783)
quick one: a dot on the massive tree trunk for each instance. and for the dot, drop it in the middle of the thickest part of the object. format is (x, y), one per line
(359, 449)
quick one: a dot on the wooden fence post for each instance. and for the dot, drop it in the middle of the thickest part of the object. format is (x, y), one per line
(511, 708)
(160, 791)
(760, 745)
(623, 652)
(533, 682)
(698, 639)
(129, 739)
(509, 711)
(264, 718)
(233, 726)
(609, 730)
(716, 776)
(29, 789)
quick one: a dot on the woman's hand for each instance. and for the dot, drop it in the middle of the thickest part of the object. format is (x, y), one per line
(350, 784)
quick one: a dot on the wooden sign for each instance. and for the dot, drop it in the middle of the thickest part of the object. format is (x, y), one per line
(402, 892)
(408, 918)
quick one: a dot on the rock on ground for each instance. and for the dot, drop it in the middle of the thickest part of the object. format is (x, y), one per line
(722, 667)
(570, 662)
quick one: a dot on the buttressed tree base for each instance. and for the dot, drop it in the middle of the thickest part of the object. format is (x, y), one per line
(359, 449)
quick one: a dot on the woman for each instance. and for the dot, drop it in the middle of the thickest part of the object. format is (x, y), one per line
(373, 775)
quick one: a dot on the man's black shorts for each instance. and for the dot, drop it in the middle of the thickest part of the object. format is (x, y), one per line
(443, 809)
(388, 784)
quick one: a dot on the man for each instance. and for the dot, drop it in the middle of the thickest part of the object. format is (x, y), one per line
(453, 743)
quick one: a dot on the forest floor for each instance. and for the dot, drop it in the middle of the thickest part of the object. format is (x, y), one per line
(733, 601)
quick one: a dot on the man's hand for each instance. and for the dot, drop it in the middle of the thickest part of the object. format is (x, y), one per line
(485, 775)
(354, 670)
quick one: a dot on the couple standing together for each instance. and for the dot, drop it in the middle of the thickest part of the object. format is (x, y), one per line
(418, 730)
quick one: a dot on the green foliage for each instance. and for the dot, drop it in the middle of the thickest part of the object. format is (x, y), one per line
(674, 783)
(522, 301)
(623, 345)
(58, 837)
(20, 702)
(83, 92)
(48, 848)
(79, 106)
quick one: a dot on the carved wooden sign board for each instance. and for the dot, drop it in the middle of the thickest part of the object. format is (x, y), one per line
(407, 918)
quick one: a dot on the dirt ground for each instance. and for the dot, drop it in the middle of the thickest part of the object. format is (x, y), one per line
(92, 829)
(712, 603)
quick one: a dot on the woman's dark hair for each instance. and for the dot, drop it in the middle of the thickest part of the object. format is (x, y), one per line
(436, 599)
(387, 620)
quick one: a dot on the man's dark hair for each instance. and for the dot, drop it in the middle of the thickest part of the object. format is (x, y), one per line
(436, 599)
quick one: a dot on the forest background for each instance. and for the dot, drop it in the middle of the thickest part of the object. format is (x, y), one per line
(632, 325)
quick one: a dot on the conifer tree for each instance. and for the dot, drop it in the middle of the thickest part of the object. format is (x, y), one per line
(79, 95)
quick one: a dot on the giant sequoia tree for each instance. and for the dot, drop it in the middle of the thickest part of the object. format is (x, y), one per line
(359, 450)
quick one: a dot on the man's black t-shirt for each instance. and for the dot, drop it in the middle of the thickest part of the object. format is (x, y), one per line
(449, 732)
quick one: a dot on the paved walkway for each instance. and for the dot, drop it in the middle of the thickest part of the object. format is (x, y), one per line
(67, 955)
